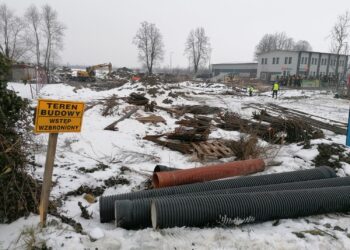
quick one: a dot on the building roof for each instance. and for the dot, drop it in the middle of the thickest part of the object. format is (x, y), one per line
(297, 51)
(245, 63)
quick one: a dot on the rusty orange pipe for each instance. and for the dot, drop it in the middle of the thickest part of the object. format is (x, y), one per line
(207, 173)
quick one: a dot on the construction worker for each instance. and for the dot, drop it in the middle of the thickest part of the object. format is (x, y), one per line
(250, 90)
(275, 88)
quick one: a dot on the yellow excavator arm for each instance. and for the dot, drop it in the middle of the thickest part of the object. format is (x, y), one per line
(92, 69)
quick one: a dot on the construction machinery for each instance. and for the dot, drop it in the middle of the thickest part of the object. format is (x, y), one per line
(89, 74)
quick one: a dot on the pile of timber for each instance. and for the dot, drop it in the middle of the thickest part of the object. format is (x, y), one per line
(189, 134)
(270, 128)
(313, 120)
(233, 122)
(198, 109)
(191, 138)
(137, 99)
(192, 129)
(296, 129)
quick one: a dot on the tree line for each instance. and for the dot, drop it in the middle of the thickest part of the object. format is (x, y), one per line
(37, 34)
(148, 40)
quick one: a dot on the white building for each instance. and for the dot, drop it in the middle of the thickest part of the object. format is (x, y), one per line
(304, 63)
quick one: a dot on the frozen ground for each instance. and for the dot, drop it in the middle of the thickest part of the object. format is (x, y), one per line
(125, 147)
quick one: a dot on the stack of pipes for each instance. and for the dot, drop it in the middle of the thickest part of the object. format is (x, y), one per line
(178, 201)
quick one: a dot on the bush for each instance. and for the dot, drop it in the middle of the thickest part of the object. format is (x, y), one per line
(19, 192)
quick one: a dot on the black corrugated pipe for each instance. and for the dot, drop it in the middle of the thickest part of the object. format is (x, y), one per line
(135, 214)
(107, 202)
(162, 168)
(235, 209)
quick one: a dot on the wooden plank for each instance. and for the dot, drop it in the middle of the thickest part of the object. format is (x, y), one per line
(127, 115)
(198, 150)
(47, 181)
(224, 149)
(213, 149)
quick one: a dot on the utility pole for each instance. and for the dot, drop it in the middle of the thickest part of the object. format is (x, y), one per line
(171, 55)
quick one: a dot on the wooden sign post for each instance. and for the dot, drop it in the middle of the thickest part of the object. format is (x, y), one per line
(53, 116)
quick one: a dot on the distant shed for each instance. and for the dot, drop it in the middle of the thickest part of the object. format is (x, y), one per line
(25, 72)
(248, 70)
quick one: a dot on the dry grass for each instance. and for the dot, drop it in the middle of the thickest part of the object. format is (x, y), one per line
(247, 147)
(30, 241)
(110, 106)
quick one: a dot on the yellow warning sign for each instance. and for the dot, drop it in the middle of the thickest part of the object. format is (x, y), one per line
(53, 116)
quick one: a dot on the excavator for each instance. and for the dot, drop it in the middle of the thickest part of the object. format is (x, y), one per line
(89, 74)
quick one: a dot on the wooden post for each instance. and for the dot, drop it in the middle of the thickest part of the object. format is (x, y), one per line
(45, 191)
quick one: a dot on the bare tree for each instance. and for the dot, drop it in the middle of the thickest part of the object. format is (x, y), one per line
(12, 42)
(149, 42)
(339, 36)
(53, 32)
(276, 41)
(302, 45)
(33, 19)
(197, 48)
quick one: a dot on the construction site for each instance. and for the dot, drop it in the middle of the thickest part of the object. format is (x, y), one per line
(172, 140)
(98, 155)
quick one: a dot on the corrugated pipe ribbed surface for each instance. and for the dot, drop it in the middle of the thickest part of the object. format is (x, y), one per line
(234, 209)
(107, 202)
(135, 214)
(207, 173)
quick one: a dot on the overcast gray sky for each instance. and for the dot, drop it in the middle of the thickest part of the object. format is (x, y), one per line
(101, 31)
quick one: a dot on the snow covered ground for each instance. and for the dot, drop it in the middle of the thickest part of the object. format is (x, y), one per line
(125, 147)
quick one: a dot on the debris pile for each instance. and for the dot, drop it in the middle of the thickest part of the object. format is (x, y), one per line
(233, 122)
(332, 155)
(198, 109)
(313, 120)
(296, 129)
(270, 128)
(137, 99)
(123, 72)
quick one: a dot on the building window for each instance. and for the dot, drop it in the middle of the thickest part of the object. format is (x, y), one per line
(286, 60)
(265, 60)
(277, 60)
(302, 60)
(306, 60)
(262, 60)
(273, 60)
(290, 60)
(312, 60)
